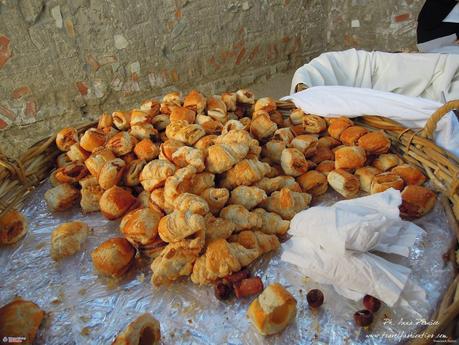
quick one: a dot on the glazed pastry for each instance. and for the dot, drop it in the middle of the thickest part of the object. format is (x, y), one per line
(273, 184)
(261, 126)
(296, 116)
(97, 160)
(186, 155)
(306, 144)
(13, 227)
(218, 228)
(245, 96)
(179, 183)
(92, 139)
(273, 310)
(286, 203)
(77, 153)
(325, 167)
(67, 239)
(273, 150)
(144, 330)
(200, 182)
(384, 181)
(121, 143)
(132, 172)
(245, 173)
(328, 142)
(241, 217)
(386, 161)
(272, 223)
(105, 121)
(141, 226)
(293, 162)
(344, 183)
(179, 225)
(155, 173)
(157, 199)
(313, 182)
(20, 318)
(121, 120)
(65, 138)
(195, 101)
(323, 154)
(350, 157)
(265, 104)
(229, 98)
(216, 198)
(209, 125)
(90, 197)
(314, 124)
(115, 202)
(168, 148)
(62, 160)
(71, 173)
(222, 157)
(111, 173)
(191, 202)
(61, 197)
(366, 175)
(160, 122)
(338, 125)
(249, 197)
(351, 135)
(143, 130)
(416, 201)
(216, 109)
(170, 101)
(374, 143)
(410, 174)
(204, 143)
(187, 133)
(182, 113)
(113, 257)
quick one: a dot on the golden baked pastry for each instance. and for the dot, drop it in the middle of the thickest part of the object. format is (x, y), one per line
(416, 201)
(284, 134)
(192, 203)
(293, 162)
(182, 113)
(338, 125)
(71, 173)
(141, 226)
(266, 104)
(323, 153)
(121, 120)
(97, 160)
(273, 150)
(350, 157)
(132, 172)
(61, 197)
(170, 101)
(201, 181)
(13, 227)
(218, 228)
(67, 239)
(296, 116)
(273, 310)
(384, 181)
(90, 197)
(155, 173)
(143, 130)
(245, 96)
(138, 117)
(92, 139)
(179, 183)
(410, 174)
(222, 157)
(187, 155)
(65, 138)
(77, 153)
(195, 101)
(121, 143)
(111, 173)
(386, 161)
(168, 148)
(20, 318)
(110, 132)
(306, 144)
(261, 126)
(157, 199)
(328, 142)
(230, 99)
(366, 175)
(204, 143)
(245, 173)
(233, 124)
(241, 217)
(115, 202)
(286, 203)
(185, 132)
(241, 137)
(216, 109)
(351, 135)
(272, 223)
(105, 121)
(273, 184)
(249, 197)
(160, 122)
(314, 124)
(313, 182)
(374, 143)
(178, 225)
(344, 183)
(151, 107)
(209, 125)
(325, 167)
(144, 330)
(113, 257)
(216, 198)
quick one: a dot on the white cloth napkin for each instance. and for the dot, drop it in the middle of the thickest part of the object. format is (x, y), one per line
(412, 112)
(332, 246)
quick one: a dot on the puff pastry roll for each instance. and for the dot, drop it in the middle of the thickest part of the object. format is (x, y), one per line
(160, 122)
(241, 217)
(239, 136)
(187, 133)
(178, 225)
(216, 109)
(245, 96)
(272, 223)
(384, 181)
(13, 227)
(105, 121)
(230, 99)
(61, 197)
(209, 125)
(273, 150)
(204, 143)
(92, 139)
(151, 107)
(191, 202)
(121, 120)
(155, 173)
(186, 155)
(409, 174)
(249, 197)
(273, 184)
(143, 330)
(141, 226)
(121, 143)
(218, 228)
(338, 125)
(132, 172)
(111, 173)
(386, 161)
(179, 183)
(232, 124)
(314, 124)
(293, 162)
(139, 116)
(351, 135)
(113, 257)
(284, 134)
(77, 153)
(344, 183)
(115, 202)
(265, 104)
(350, 157)
(306, 144)
(195, 101)
(222, 157)
(374, 143)
(286, 203)
(323, 154)
(67, 239)
(170, 101)
(245, 173)
(261, 126)
(157, 198)
(366, 175)
(296, 116)
(65, 138)
(90, 198)
(328, 142)
(201, 181)
(313, 182)
(216, 198)
(416, 201)
(182, 113)
(144, 130)
(97, 160)
(71, 173)
(168, 148)
(325, 167)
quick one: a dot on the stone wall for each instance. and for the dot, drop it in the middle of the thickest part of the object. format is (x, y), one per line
(63, 62)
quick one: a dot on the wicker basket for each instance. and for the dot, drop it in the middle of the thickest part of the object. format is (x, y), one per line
(19, 177)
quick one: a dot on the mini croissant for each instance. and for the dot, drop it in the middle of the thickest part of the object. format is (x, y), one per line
(272, 223)
(195, 101)
(191, 202)
(249, 197)
(241, 217)
(178, 225)
(168, 148)
(218, 228)
(273, 184)
(186, 155)
(216, 198)
(185, 132)
(222, 157)
(245, 173)
(273, 150)
(179, 183)
(261, 126)
(97, 160)
(216, 109)
(286, 203)
(155, 173)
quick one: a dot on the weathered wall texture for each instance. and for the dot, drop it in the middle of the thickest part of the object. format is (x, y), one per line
(64, 61)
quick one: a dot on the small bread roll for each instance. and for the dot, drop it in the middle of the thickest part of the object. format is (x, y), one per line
(266, 104)
(71, 173)
(296, 116)
(328, 142)
(77, 153)
(313, 182)
(374, 143)
(121, 120)
(115, 202)
(384, 181)
(61, 197)
(351, 135)
(344, 183)
(325, 167)
(261, 126)
(366, 175)
(144, 330)
(386, 161)
(314, 124)
(245, 96)
(410, 174)
(293, 162)
(230, 99)
(67, 239)
(65, 138)
(13, 227)
(20, 319)
(182, 113)
(132, 172)
(338, 125)
(155, 173)
(416, 201)
(151, 107)
(323, 154)
(195, 101)
(272, 310)
(216, 109)
(350, 157)
(216, 198)
(141, 226)
(111, 173)
(147, 150)
(92, 139)
(90, 197)
(105, 121)
(113, 257)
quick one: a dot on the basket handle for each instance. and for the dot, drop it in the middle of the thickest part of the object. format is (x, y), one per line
(431, 123)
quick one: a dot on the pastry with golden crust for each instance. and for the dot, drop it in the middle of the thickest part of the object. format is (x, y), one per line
(61, 197)
(97, 160)
(111, 173)
(286, 203)
(90, 197)
(115, 202)
(155, 173)
(218, 228)
(168, 147)
(140, 226)
(338, 125)
(222, 157)
(416, 201)
(241, 217)
(366, 175)
(245, 173)
(201, 181)
(306, 144)
(351, 135)
(273, 184)
(121, 120)
(121, 143)
(386, 161)
(187, 155)
(113, 257)
(384, 181)
(191, 202)
(272, 223)
(293, 162)
(65, 138)
(92, 139)
(151, 107)
(71, 173)
(374, 143)
(67, 239)
(216, 198)
(77, 153)
(245, 96)
(216, 109)
(169, 101)
(13, 227)
(410, 174)
(195, 101)
(313, 182)
(247, 196)
(273, 150)
(144, 330)
(325, 167)
(132, 172)
(179, 183)
(178, 225)
(261, 126)
(350, 157)
(105, 121)
(314, 124)
(187, 133)
(344, 183)
(182, 113)
(146, 149)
